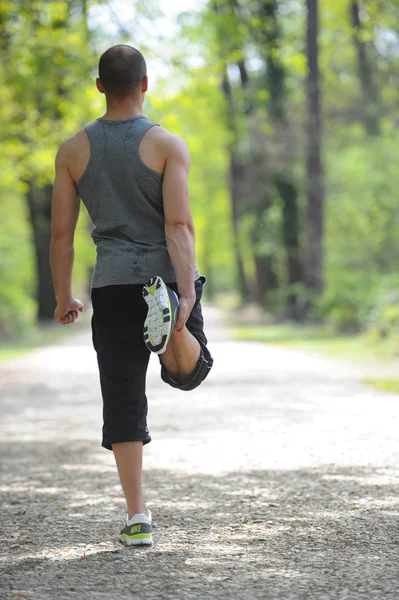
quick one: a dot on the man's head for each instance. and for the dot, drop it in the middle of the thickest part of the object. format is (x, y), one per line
(122, 72)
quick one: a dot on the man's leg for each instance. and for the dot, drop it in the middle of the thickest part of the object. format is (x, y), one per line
(129, 460)
(119, 313)
(181, 356)
(186, 360)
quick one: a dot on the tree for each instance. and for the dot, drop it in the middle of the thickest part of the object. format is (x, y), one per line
(42, 99)
(236, 183)
(282, 177)
(315, 184)
(225, 46)
(271, 157)
(370, 102)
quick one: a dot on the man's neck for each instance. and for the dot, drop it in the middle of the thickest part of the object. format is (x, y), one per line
(123, 109)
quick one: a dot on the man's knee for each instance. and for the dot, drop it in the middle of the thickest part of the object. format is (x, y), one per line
(202, 369)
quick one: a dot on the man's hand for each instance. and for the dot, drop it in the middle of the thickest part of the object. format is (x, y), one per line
(185, 307)
(67, 313)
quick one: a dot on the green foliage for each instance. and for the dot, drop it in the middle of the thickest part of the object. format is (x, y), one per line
(383, 318)
(16, 255)
(370, 303)
(362, 210)
(362, 234)
(46, 96)
(48, 93)
(346, 301)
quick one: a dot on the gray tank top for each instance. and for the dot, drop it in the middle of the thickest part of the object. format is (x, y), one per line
(124, 200)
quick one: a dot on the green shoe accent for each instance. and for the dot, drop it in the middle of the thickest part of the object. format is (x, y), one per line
(138, 536)
(135, 529)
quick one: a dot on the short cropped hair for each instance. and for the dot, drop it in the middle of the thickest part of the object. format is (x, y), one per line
(121, 70)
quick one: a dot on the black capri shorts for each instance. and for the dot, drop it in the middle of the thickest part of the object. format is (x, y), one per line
(119, 312)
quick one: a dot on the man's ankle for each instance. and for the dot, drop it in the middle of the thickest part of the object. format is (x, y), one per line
(139, 509)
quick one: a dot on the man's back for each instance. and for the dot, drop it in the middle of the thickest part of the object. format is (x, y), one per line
(118, 167)
(153, 149)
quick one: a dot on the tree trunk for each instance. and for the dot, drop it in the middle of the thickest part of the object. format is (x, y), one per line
(275, 81)
(266, 279)
(265, 274)
(236, 183)
(275, 72)
(39, 203)
(370, 97)
(207, 251)
(315, 187)
(291, 240)
(236, 173)
(265, 271)
(235, 165)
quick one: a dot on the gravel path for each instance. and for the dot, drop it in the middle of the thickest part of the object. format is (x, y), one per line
(277, 479)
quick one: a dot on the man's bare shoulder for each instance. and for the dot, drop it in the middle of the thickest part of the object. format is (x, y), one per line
(169, 142)
(72, 145)
(74, 155)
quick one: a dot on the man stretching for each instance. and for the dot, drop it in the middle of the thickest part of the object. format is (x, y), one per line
(132, 176)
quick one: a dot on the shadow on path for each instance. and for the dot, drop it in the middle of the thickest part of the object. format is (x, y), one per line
(322, 532)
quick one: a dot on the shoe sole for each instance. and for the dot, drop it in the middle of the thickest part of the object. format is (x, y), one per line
(136, 542)
(158, 324)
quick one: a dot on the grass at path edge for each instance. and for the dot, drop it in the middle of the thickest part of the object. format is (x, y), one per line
(384, 385)
(358, 348)
(32, 340)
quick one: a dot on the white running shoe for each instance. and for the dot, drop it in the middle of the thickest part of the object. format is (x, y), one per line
(137, 531)
(163, 308)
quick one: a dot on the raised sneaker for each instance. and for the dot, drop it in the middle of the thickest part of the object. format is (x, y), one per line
(163, 308)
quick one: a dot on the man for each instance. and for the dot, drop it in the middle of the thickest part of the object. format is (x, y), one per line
(132, 175)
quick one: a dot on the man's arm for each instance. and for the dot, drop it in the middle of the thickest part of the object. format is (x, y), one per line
(179, 227)
(65, 213)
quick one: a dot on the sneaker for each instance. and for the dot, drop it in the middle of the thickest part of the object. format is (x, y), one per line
(137, 531)
(163, 308)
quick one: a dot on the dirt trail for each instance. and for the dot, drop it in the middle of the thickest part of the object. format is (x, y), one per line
(277, 479)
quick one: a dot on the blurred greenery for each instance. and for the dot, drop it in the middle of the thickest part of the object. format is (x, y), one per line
(360, 348)
(17, 346)
(235, 90)
(385, 385)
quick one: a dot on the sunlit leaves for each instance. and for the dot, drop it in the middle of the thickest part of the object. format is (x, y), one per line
(44, 78)
(194, 114)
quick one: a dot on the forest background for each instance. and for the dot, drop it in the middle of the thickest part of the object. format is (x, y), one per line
(289, 108)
